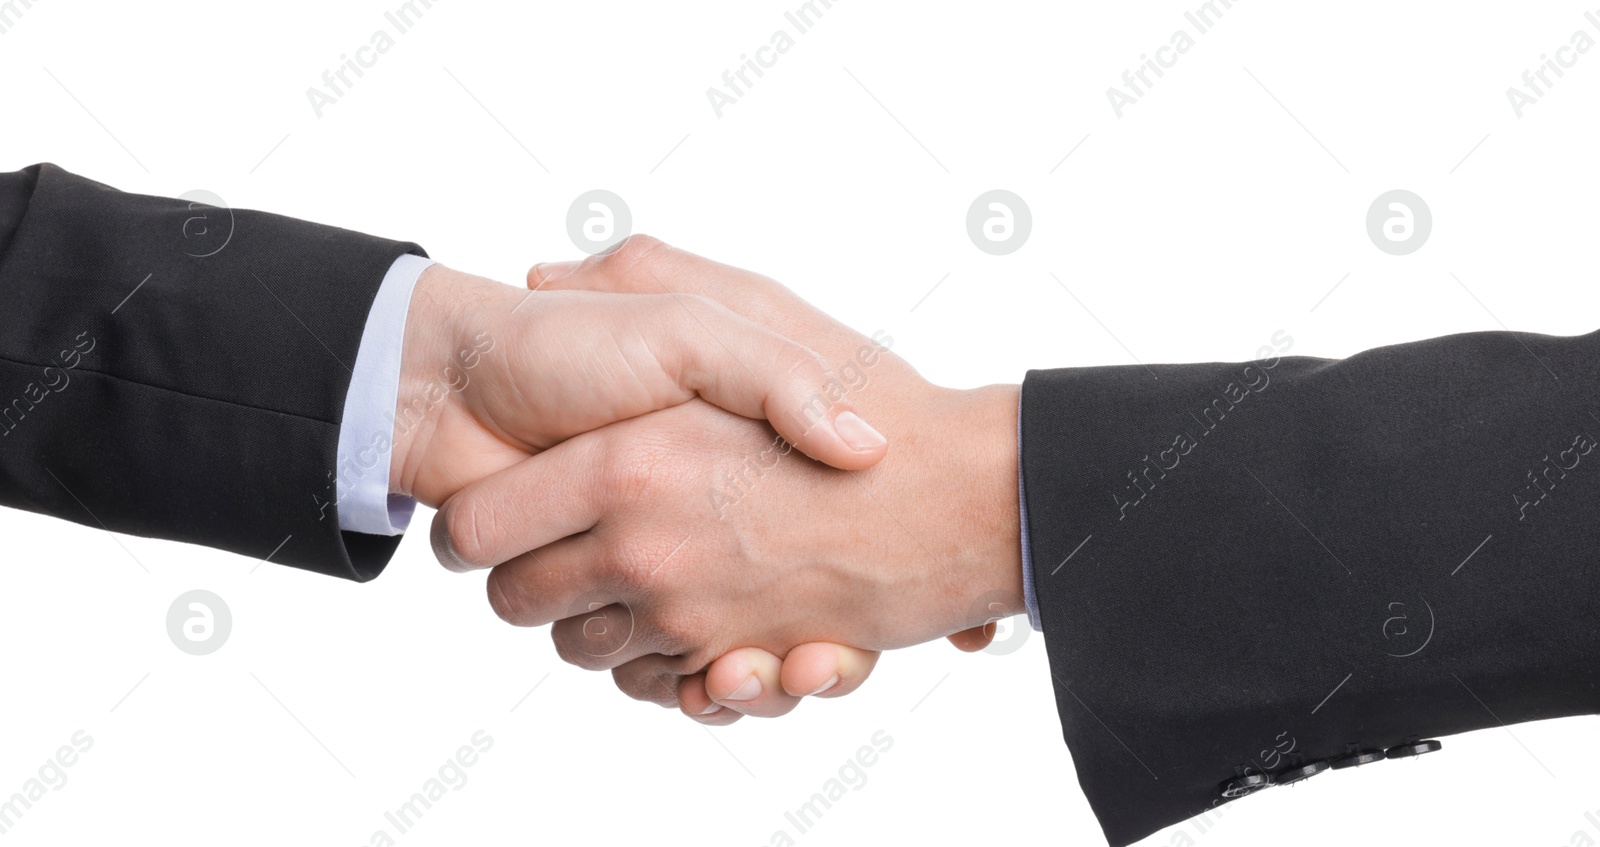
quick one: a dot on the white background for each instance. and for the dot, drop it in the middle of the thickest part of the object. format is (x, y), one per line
(1194, 226)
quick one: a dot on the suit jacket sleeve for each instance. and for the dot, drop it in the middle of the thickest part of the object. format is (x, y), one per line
(1253, 567)
(179, 372)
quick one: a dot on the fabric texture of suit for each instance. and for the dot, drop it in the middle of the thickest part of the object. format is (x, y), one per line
(1240, 568)
(1250, 567)
(155, 353)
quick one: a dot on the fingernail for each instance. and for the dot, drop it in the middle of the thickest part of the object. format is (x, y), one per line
(714, 707)
(858, 433)
(750, 689)
(832, 681)
(549, 271)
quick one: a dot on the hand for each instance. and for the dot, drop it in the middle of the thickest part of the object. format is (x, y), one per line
(644, 496)
(816, 669)
(653, 563)
(491, 375)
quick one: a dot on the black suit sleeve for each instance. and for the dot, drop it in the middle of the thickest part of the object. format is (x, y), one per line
(180, 372)
(1247, 568)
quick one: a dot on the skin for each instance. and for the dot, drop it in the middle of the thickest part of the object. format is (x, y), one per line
(474, 348)
(491, 375)
(625, 538)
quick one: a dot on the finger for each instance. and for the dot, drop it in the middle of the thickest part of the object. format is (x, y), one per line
(748, 681)
(535, 502)
(653, 678)
(644, 265)
(633, 266)
(752, 371)
(641, 264)
(822, 669)
(697, 704)
(732, 358)
(975, 639)
(556, 581)
(601, 639)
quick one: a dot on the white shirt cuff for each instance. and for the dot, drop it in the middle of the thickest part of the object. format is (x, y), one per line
(366, 433)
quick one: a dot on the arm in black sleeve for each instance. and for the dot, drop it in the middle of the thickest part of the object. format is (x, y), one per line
(180, 372)
(1254, 567)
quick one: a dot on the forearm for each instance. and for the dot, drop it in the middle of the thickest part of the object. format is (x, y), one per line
(1223, 552)
(180, 388)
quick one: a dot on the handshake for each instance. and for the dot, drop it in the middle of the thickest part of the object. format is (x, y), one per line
(731, 501)
(616, 445)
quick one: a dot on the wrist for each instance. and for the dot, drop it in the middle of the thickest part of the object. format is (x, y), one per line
(438, 353)
(415, 417)
(984, 512)
(927, 540)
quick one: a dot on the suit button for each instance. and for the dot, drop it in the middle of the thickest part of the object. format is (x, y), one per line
(1356, 758)
(1239, 786)
(1413, 747)
(1299, 772)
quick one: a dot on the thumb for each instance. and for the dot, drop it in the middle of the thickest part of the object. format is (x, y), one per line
(747, 369)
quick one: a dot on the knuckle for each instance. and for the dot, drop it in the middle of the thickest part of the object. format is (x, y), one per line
(471, 531)
(637, 685)
(626, 472)
(571, 651)
(635, 251)
(597, 639)
(665, 690)
(764, 300)
(798, 360)
(506, 600)
(631, 568)
(678, 628)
